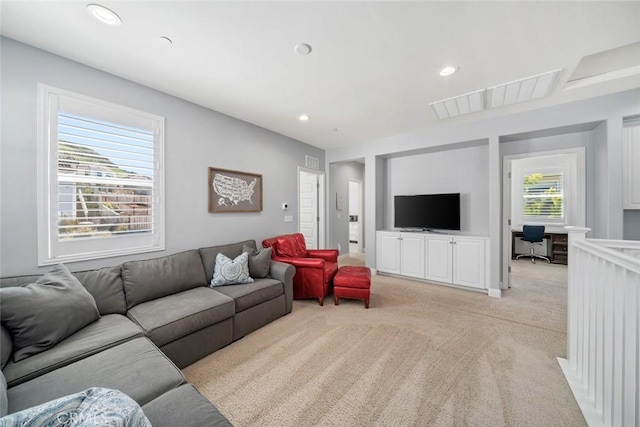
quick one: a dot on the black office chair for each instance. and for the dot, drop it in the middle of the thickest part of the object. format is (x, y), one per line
(533, 234)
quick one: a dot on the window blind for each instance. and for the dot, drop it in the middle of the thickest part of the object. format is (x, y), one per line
(543, 195)
(105, 176)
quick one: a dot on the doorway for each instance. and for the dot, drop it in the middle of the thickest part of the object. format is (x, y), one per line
(311, 210)
(356, 217)
(527, 182)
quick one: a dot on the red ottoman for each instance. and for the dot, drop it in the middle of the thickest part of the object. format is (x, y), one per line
(352, 282)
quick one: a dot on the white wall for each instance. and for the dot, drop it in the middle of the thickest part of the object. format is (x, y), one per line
(195, 139)
(463, 171)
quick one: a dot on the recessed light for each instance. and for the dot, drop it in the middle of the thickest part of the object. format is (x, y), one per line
(304, 118)
(447, 71)
(166, 41)
(104, 15)
(302, 49)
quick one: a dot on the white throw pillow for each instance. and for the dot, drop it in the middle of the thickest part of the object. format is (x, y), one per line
(231, 272)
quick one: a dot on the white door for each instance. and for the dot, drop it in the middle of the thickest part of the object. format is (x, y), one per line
(388, 252)
(310, 207)
(412, 255)
(439, 259)
(468, 262)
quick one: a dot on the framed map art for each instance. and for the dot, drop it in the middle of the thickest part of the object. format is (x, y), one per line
(234, 191)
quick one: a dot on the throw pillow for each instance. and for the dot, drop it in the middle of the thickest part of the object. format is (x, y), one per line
(41, 314)
(259, 262)
(231, 272)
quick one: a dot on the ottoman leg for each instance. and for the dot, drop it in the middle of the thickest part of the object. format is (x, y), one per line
(366, 303)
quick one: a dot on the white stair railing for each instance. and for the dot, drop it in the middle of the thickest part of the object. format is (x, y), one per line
(603, 364)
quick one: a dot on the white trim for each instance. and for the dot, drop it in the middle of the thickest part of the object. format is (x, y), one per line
(494, 293)
(50, 249)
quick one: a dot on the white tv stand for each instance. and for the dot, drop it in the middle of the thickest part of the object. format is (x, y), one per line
(460, 259)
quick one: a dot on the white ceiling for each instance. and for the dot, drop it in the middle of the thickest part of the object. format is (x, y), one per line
(374, 66)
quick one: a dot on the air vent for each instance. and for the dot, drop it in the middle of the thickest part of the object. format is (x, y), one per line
(311, 162)
(471, 102)
(522, 90)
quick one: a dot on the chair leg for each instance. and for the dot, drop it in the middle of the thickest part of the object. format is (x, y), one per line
(321, 301)
(336, 300)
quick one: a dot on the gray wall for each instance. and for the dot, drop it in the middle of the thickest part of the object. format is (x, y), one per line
(195, 138)
(600, 180)
(631, 224)
(339, 176)
(463, 171)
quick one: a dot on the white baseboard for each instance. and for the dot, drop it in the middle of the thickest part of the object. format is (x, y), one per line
(343, 256)
(374, 271)
(495, 293)
(591, 415)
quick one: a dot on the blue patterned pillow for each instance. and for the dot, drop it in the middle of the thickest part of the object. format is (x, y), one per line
(231, 272)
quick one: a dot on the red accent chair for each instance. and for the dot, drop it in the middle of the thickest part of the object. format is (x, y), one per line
(315, 268)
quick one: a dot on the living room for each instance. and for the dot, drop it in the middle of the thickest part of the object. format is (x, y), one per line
(464, 154)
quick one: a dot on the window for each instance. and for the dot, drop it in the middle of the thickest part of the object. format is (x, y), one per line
(543, 197)
(548, 189)
(100, 178)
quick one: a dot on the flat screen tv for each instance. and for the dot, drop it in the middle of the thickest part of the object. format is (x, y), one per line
(428, 211)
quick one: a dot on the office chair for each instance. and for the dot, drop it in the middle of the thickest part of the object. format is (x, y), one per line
(533, 234)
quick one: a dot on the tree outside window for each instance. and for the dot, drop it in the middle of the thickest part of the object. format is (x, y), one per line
(543, 196)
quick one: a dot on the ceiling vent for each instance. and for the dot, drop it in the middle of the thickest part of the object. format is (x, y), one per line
(471, 102)
(312, 162)
(522, 90)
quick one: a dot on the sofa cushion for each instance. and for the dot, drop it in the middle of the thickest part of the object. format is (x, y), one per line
(106, 332)
(106, 287)
(104, 284)
(41, 314)
(249, 295)
(259, 262)
(155, 278)
(175, 316)
(231, 271)
(290, 247)
(185, 407)
(6, 346)
(136, 368)
(209, 254)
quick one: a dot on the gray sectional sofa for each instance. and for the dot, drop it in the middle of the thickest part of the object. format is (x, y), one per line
(156, 316)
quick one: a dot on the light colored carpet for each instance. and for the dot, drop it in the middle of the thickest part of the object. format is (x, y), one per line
(422, 355)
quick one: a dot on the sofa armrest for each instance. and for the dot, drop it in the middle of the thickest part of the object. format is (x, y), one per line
(330, 255)
(284, 273)
(302, 262)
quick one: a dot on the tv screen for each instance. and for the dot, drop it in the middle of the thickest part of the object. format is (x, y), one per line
(428, 211)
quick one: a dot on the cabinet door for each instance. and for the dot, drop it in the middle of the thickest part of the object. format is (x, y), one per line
(631, 167)
(388, 252)
(439, 259)
(412, 255)
(469, 262)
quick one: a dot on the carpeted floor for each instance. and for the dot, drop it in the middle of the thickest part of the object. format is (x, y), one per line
(422, 355)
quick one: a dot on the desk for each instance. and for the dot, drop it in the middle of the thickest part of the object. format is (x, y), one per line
(556, 246)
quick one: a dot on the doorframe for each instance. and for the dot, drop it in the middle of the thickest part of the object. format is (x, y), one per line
(581, 185)
(361, 212)
(321, 203)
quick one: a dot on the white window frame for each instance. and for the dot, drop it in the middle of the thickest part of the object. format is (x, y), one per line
(571, 163)
(51, 250)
